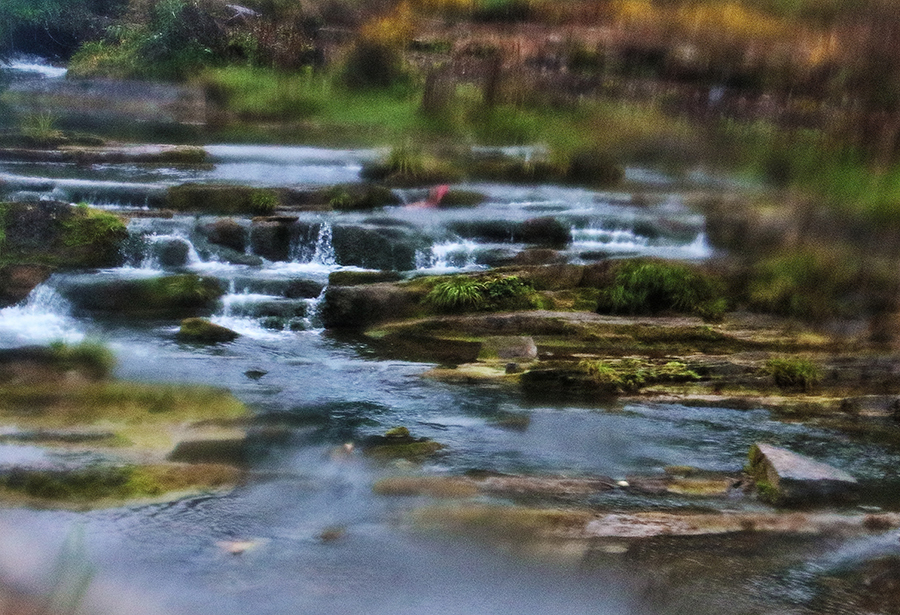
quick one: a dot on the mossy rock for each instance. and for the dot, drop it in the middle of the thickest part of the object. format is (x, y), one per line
(398, 443)
(202, 331)
(59, 235)
(355, 278)
(176, 296)
(222, 199)
(462, 198)
(355, 197)
(411, 451)
(109, 484)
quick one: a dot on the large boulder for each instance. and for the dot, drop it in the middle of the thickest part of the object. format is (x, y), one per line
(171, 252)
(787, 478)
(376, 246)
(222, 199)
(226, 232)
(271, 238)
(59, 234)
(358, 307)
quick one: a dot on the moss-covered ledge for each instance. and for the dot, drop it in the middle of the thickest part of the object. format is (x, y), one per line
(62, 399)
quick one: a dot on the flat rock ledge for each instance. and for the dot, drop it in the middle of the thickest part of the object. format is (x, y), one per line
(790, 479)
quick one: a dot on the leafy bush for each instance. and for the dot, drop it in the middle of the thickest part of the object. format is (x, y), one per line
(461, 293)
(651, 287)
(793, 372)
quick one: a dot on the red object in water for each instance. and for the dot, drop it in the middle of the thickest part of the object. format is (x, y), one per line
(434, 198)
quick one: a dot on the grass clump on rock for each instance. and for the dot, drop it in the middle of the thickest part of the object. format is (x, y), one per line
(630, 375)
(793, 372)
(653, 287)
(464, 294)
(406, 165)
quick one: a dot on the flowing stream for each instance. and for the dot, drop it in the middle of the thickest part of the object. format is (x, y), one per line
(168, 558)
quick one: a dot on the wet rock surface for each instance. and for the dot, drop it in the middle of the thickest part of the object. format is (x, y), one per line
(788, 478)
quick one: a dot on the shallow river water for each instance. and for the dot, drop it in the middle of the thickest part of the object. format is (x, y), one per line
(169, 558)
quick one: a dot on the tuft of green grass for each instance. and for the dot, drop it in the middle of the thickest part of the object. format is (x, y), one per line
(462, 294)
(652, 287)
(793, 372)
(40, 128)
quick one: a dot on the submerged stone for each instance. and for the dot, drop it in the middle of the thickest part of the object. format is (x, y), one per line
(398, 443)
(788, 478)
(521, 348)
(232, 451)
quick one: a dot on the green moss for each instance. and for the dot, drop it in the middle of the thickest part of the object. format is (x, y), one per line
(407, 165)
(352, 197)
(768, 492)
(103, 484)
(397, 432)
(92, 483)
(630, 375)
(68, 404)
(92, 237)
(462, 198)
(222, 199)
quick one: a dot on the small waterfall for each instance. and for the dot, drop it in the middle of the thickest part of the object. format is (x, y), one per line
(313, 320)
(324, 254)
(313, 247)
(42, 318)
(448, 255)
(167, 251)
(699, 248)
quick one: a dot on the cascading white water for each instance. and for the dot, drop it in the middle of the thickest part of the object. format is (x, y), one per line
(324, 254)
(448, 256)
(42, 318)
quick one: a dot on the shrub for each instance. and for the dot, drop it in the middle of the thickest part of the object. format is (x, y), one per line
(651, 287)
(806, 283)
(372, 65)
(793, 372)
